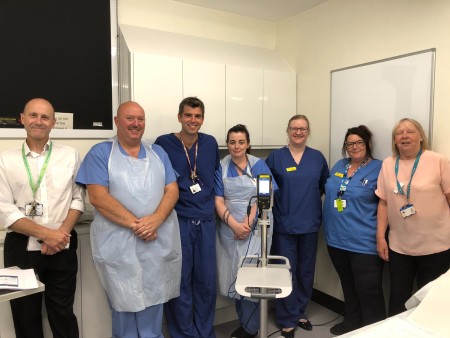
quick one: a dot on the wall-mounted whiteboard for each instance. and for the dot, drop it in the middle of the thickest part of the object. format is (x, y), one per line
(378, 94)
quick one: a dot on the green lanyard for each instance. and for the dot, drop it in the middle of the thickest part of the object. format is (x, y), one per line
(35, 187)
(408, 189)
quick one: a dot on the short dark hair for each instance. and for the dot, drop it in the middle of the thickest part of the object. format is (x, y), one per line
(240, 128)
(363, 132)
(192, 102)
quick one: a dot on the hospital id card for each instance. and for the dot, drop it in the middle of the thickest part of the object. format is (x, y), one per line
(407, 210)
(340, 204)
(195, 188)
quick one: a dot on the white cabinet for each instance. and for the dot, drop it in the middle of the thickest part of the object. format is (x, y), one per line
(159, 83)
(207, 82)
(263, 100)
(156, 84)
(95, 312)
(279, 105)
(244, 92)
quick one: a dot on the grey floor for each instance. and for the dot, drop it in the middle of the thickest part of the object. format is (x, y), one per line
(321, 318)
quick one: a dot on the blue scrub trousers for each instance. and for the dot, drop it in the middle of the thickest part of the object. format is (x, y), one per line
(142, 324)
(191, 315)
(248, 314)
(301, 251)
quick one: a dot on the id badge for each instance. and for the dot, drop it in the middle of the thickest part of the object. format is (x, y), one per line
(340, 204)
(407, 210)
(34, 209)
(195, 188)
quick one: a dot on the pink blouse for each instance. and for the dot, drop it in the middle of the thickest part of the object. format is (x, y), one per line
(427, 231)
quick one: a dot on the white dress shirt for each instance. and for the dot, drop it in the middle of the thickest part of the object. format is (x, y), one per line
(57, 192)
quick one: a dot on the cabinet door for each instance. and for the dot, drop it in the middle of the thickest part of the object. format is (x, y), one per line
(157, 87)
(244, 93)
(207, 82)
(94, 305)
(279, 106)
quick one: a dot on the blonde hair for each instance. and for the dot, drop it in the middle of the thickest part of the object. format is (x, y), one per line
(423, 143)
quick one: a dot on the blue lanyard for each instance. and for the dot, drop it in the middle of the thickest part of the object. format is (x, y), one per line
(408, 189)
(346, 180)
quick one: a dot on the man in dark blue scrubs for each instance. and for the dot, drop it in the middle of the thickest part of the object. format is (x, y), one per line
(195, 157)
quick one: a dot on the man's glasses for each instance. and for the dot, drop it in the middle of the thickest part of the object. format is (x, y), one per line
(294, 130)
(349, 145)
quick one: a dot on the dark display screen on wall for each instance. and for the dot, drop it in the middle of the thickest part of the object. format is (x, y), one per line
(59, 50)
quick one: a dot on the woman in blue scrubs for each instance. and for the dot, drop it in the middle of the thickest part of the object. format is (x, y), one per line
(350, 224)
(301, 173)
(235, 189)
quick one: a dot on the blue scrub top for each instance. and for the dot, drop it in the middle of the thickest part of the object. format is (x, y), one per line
(354, 229)
(297, 203)
(259, 168)
(199, 206)
(94, 168)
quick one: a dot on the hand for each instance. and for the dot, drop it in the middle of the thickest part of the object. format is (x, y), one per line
(56, 240)
(46, 250)
(146, 228)
(241, 231)
(383, 250)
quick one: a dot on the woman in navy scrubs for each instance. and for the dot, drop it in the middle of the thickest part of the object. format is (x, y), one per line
(301, 173)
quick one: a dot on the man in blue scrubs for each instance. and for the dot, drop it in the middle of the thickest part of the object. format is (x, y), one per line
(195, 157)
(134, 235)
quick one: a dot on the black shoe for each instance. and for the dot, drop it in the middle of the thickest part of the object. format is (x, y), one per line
(305, 325)
(288, 334)
(341, 328)
(241, 333)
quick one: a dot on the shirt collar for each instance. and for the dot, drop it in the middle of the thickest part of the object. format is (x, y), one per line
(29, 152)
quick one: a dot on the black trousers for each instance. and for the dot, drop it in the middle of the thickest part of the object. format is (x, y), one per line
(58, 272)
(361, 280)
(403, 269)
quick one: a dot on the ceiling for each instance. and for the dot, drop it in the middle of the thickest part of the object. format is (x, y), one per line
(269, 10)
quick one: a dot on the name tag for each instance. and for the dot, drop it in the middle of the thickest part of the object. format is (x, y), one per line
(407, 210)
(340, 204)
(291, 169)
(339, 174)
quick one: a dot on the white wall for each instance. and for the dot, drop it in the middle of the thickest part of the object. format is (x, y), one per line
(342, 33)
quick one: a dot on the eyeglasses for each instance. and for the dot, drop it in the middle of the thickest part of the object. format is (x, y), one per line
(133, 118)
(294, 130)
(349, 145)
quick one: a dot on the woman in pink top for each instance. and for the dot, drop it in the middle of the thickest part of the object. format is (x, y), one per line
(414, 192)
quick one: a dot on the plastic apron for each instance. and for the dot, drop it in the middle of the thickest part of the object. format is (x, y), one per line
(237, 193)
(134, 273)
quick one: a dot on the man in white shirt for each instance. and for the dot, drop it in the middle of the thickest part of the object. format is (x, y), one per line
(39, 207)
